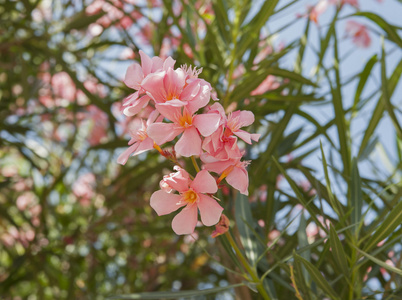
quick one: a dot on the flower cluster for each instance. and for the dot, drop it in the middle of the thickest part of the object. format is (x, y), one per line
(179, 101)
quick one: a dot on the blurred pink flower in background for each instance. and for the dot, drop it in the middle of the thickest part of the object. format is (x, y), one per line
(359, 34)
(269, 83)
(83, 188)
(114, 13)
(63, 86)
(100, 123)
(318, 10)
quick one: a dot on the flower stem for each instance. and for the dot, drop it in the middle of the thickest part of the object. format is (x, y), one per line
(196, 167)
(249, 269)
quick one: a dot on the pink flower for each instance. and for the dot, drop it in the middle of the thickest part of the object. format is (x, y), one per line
(99, 127)
(239, 119)
(83, 188)
(140, 141)
(178, 88)
(183, 122)
(192, 196)
(63, 86)
(234, 121)
(318, 10)
(234, 171)
(269, 83)
(359, 34)
(134, 79)
(354, 3)
(220, 147)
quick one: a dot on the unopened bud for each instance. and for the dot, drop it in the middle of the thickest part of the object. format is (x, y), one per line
(221, 227)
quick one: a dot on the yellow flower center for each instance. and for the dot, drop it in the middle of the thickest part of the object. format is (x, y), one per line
(171, 97)
(142, 135)
(190, 196)
(186, 120)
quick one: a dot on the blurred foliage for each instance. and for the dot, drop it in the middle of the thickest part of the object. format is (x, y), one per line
(76, 225)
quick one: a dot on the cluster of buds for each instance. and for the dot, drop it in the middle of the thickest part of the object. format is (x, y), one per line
(179, 101)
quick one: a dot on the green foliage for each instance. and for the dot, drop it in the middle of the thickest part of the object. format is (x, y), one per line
(324, 212)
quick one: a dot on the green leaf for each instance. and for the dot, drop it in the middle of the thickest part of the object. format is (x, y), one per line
(334, 203)
(229, 250)
(317, 277)
(300, 279)
(111, 145)
(289, 98)
(291, 75)
(380, 107)
(337, 251)
(311, 208)
(364, 75)
(250, 31)
(244, 217)
(356, 197)
(286, 145)
(341, 125)
(392, 221)
(386, 95)
(380, 263)
(175, 295)
(82, 20)
(303, 242)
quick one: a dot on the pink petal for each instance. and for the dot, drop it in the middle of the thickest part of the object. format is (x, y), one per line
(190, 91)
(157, 64)
(169, 63)
(218, 167)
(178, 181)
(210, 210)
(207, 123)
(244, 135)
(170, 112)
(165, 203)
(134, 76)
(144, 146)
(204, 183)
(122, 159)
(246, 118)
(146, 63)
(185, 221)
(152, 117)
(190, 143)
(174, 81)
(238, 179)
(174, 103)
(130, 99)
(153, 85)
(255, 137)
(162, 132)
(201, 99)
(136, 107)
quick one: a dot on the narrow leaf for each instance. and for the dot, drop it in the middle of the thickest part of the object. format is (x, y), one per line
(381, 263)
(243, 217)
(338, 252)
(175, 295)
(393, 220)
(317, 277)
(356, 197)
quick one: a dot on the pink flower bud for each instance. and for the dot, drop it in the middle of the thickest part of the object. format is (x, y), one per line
(221, 227)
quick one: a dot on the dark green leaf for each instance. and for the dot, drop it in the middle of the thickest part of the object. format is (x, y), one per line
(175, 295)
